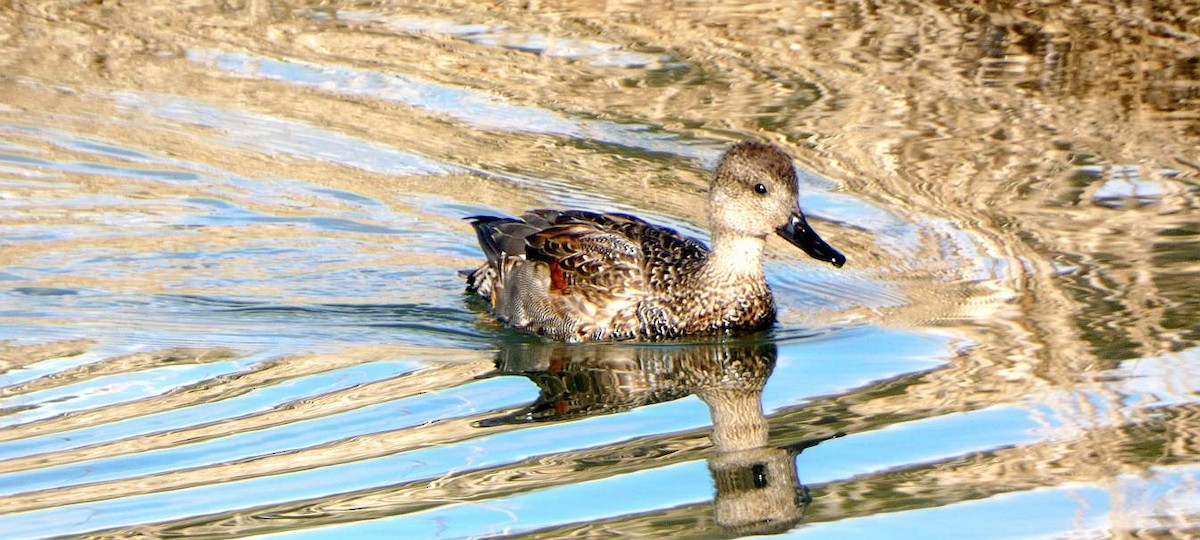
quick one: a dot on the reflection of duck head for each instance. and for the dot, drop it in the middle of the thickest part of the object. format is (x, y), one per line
(758, 491)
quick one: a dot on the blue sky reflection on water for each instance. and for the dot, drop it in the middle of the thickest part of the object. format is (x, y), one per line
(488, 450)
(257, 400)
(1072, 509)
(229, 244)
(1042, 513)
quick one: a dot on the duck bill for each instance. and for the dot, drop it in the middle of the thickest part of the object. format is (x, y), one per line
(804, 237)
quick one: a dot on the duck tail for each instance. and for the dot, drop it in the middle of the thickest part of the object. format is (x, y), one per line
(503, 240)
(502, 237)
(490, 238)
(479, 280)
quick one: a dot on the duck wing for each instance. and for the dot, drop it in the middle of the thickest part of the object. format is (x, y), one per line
(586, 258)
(610, 251)
(553, 270)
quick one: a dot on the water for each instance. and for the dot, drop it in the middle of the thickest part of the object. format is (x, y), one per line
(229, 239)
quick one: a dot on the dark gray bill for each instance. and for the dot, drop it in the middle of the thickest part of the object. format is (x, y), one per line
(804, 237)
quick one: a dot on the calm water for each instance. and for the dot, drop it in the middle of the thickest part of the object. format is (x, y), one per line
(229, 237)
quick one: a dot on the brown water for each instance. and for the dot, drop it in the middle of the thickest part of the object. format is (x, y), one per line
(229, 236)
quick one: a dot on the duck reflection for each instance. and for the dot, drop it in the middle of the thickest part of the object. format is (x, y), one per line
(758, 490)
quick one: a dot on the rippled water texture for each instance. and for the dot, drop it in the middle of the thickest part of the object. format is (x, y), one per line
(230, 231)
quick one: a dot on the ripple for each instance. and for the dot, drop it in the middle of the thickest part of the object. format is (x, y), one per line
(231, 237)
(464, 105)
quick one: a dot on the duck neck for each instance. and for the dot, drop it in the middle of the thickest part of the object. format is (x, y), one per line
(735, 258)
(738, 421)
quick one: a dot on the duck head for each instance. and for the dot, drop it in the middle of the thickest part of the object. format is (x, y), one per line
(754, 193)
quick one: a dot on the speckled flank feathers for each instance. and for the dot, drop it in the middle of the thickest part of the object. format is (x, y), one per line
(581, 276)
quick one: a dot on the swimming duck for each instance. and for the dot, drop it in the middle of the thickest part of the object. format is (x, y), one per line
(574, 275)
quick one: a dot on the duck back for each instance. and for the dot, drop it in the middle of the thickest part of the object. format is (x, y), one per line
(576, 275)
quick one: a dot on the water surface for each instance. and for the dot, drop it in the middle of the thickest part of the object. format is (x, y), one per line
(230, 236)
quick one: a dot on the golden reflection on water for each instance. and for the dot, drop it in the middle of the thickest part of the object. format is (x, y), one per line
(1045, 151)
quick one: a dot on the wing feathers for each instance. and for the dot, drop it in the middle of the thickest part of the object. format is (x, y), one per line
(593, 266)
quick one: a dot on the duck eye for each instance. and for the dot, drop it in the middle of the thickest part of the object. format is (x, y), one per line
(760, 189)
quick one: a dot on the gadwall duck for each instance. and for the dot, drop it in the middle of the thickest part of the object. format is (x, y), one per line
(583, 276)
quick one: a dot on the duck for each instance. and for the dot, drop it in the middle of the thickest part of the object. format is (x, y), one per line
(581, 276)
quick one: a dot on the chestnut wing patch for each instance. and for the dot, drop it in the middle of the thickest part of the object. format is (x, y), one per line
(587, 260)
